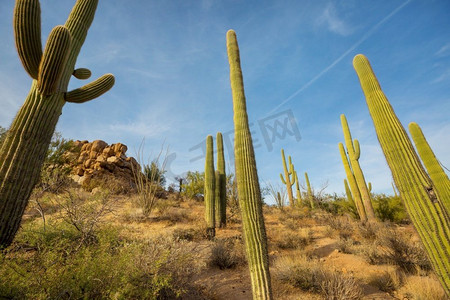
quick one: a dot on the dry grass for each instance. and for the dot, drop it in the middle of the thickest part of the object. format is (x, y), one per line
(227, 254)
(423, 288)
(292, 239)
(389, 280)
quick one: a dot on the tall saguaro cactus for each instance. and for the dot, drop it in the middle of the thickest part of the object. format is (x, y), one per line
(353, 151)
(210, 183)
(287, 180)
(249, 193)
(24, 149)
(221, 184)
(422, 200)
(434, 168)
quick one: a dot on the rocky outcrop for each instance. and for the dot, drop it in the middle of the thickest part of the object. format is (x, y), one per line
(99, 163)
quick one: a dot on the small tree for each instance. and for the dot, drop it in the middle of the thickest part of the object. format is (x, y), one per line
(194, 184)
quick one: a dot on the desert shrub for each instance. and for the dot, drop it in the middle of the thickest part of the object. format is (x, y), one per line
(299, 272)
(293, 240)
(183, 234)
(310, 275)
(193, 185)
(113, 268)
(388, 281)
(337, 286)
(227, 254)
(370, 230)
(389, 208)
(423, 288)
(342, 206)
(343, 225)
(345, 245)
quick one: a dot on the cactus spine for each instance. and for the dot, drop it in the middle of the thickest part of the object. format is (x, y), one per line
(353, 151)
(422, 201)
(221, 184)
(287, 179)
(28, 138)
(210, 183)
(250, 201)
(353, 185)
(434, 168)
(309, 193)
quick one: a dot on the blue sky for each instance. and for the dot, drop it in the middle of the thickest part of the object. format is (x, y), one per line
(172, 77)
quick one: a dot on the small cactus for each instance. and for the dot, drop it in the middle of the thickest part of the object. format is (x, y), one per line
(249, 193)
(209, 190)
(309, 193)
(353, 185)
(221, 184)
(287, 180)
(24, 149)
(422, 200)
(353, 150)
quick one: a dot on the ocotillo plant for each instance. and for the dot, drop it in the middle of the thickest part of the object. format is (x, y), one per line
(353, 185)
(23, 152)
(209, 192)
(434, 168)
(297, 189)
(287, 180)
(249, 192)
(309, 193)
(422, 201)
(221, 188)
(353, 151)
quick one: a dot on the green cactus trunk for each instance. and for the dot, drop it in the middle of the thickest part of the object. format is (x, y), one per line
(287, 179)
(418, 192)
(24, 150)
(353, 151)
(309, 193)
(395, 190)
(353, 185)
(209, 190)
(221, 184)
(249, 193)
(434, 168)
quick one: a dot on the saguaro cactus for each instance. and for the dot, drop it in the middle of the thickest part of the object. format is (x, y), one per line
(353, 151)
(309, 191)
(348, 192)
(210, 183)
(249, 193)
(434, 168)
(353, 185)
(221, 184)
(287, 179)
(23, 152)
(422, 201)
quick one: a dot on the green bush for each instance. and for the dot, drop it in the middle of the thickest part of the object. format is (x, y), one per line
(194, 184)
(389, 208)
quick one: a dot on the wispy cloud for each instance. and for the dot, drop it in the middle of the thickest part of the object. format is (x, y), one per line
(444, 76)
(333, 22)
(444, 50)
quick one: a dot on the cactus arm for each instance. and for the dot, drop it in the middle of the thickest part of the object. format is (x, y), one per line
(297, 188)
(27, 33)
(210, 183)
(434, 168)
(82, 73)
(353, 149)
(250, 201)
(91, 90)
(222, 203)
(348, 192)
(282, 179)
(416, 189)
(53, 60)
(353, 185)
